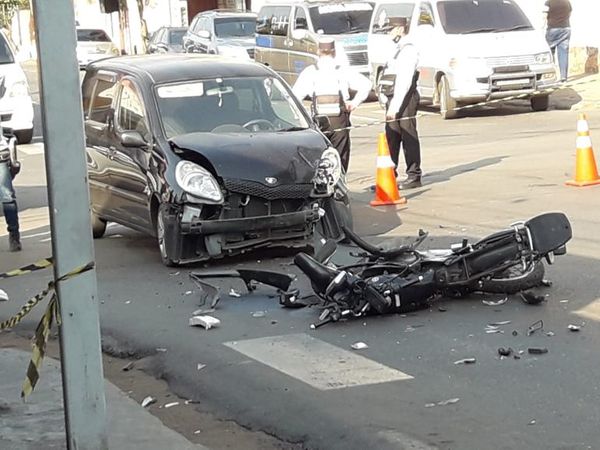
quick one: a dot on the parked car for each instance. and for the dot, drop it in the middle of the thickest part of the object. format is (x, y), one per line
(474, 51)
(212, 155)
(167, 40)
(93, 45)
(287, 33)
(229, 33)
(16, 106)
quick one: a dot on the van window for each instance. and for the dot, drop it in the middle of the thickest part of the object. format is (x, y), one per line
(274, 20)
(6, 55)
(482, 16)
(101, 102)
(387, 15)
(300, 22)
(341, 18)
(426, 15)
(263, 21)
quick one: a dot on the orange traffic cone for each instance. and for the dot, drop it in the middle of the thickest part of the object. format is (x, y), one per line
(386, 189)
(586, 173)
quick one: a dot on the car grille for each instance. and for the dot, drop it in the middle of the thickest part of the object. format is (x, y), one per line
(503, 61)
(358, 58)
(251, 52)
(268, 192)
(5, 117)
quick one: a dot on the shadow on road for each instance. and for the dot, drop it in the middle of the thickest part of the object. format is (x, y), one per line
(447, 174)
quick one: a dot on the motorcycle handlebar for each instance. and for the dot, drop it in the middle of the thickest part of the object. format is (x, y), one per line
(375, 251)
(320, 275)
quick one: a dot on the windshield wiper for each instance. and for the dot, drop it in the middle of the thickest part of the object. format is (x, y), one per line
(515, 28)
(294, 129)
(479, 30)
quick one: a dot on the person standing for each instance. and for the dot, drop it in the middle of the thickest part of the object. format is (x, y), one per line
(7, 196)
(328, 84)
(401, 108)
(558, 33)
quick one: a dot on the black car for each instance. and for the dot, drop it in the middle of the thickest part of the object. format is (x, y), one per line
(167, 40)
(212, 155)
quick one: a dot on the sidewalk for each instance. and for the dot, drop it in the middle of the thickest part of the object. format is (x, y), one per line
(39, 423)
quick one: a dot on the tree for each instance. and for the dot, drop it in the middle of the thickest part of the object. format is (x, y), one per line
(143, 25)
(8, 8)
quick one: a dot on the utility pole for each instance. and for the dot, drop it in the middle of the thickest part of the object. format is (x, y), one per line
(68, 195)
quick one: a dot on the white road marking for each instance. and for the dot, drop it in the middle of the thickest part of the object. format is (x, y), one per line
(31, 149)
(316, 363)
(35, 235)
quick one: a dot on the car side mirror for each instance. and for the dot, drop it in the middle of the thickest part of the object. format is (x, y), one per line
(204, 34)
(133, 139)
(299, 34)
(322, 122)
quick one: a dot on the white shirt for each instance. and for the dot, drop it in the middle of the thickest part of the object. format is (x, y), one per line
(404, 66)
(329, 78)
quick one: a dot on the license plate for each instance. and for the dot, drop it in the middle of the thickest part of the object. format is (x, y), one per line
(519, 81)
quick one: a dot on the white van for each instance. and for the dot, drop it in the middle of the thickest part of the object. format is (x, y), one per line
(470, 51)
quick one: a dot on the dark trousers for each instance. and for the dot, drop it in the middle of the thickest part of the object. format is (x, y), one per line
(404, 132)
(7, 198)
(340, 140)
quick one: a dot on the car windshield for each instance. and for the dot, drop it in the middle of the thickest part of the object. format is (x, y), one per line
(228, 105)
(482, 16)
(176, 37)
(6, 55)
(387, 13)
(341, 18)
(92, 36)
(225, 28)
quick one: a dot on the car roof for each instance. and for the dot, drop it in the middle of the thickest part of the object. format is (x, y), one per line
(168, 68)
(227, 13)
(311, 2)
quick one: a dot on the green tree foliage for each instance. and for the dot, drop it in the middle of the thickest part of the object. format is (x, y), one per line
(8, 8)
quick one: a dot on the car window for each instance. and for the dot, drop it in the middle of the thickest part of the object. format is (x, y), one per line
(387, 16)
(341, 18)
(203, 24)
(274, 20)
(101, 100)
(465, 17)
(263, 22)
(426, 15)
(194, 24)
(131, 115)
(225, 105)
(92, 36)
(176, 37)
(6, 54)
(231, 27)
(300, 21)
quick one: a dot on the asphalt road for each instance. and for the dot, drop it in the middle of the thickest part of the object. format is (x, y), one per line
(482, 173)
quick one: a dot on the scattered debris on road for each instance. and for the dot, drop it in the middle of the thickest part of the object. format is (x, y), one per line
(531, 299)
(148, 401)
(128, 366)
(442, 309)
(465, 361)
(564, 301)
(3, 296)
(206, 322)
(537, 350)
(234, 293)
(209, 294)
(259, 314)
(203, 311)
(532, 422)
(170, 405)
(574, 328)
(515, 333)
(174, 274)
(188, 292)
(160, 349)
(450, 401)
(359, 346)
(200, 366)
(535, 326)
(505, 351)
(495, 303)
(550, 333)
(499, 324)
(546, 283)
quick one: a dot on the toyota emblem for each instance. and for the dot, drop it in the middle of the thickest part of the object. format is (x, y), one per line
(271, 180)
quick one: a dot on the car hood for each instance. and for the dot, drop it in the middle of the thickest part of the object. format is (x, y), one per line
(242, 42)
(289, 157)
(482, 45)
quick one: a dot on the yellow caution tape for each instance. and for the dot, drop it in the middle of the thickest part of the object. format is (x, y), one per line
(45, 325)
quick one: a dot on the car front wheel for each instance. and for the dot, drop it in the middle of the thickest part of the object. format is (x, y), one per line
(447, 103)
(163, 236)
(540, 102)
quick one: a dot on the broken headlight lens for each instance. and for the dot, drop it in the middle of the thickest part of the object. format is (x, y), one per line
(332, 164)
(197, 181)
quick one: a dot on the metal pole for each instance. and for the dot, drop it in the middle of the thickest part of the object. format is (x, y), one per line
(81, 357)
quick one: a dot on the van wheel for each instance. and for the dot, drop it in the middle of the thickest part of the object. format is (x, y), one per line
(98, 226)
(162, 237)
(447, 103)
(540, 102)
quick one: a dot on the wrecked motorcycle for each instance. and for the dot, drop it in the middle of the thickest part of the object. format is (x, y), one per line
(402, 279)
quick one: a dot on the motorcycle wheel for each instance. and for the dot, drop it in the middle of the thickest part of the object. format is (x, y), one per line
(514, 279)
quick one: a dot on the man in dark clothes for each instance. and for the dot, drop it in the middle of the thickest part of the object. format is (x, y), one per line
(558, 32)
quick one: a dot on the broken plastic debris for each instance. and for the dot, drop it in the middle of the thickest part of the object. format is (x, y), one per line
(495, 303)
(128, 366)
(174, 274)
(531, 299)
(148, 401)
(188, 292)
(532, 422)
(200, 366)
(505, 351)
(466, 361)
(564, 301)
(537, 350)
(359, 346)
(206, 322)
(197, 431)
(234, 293)
(535, 326)
(546, 283)
(128, 302)
(259, 314)
(3, 296)
(499, 324)
(550, 333)
(442, 309)
(160, 349)
(450, 401)
(170, 405)
(203, 311)
(574, 328)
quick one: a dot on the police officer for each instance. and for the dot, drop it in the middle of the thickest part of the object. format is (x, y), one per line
(328, 84)
(7, 194)
(401, 122)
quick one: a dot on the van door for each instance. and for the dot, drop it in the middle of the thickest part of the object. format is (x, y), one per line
(272, 41)
(302, 52)
(424, 28)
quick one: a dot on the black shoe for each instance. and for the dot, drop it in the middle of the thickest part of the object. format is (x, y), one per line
(14, 242)
(411, 183)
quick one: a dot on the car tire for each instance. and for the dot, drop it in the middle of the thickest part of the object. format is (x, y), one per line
(24, 136)
(98, 226)
(161, 236)
(540, 102)
(447, 103)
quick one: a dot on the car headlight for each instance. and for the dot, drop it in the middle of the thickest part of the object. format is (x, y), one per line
(234, 51)
(18, 89)
(331, 165)
(197, 181)
(543, 58)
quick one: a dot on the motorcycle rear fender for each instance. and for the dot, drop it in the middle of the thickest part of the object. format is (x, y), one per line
(549, 232)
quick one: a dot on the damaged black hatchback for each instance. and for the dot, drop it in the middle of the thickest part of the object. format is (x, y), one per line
(211, 155)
